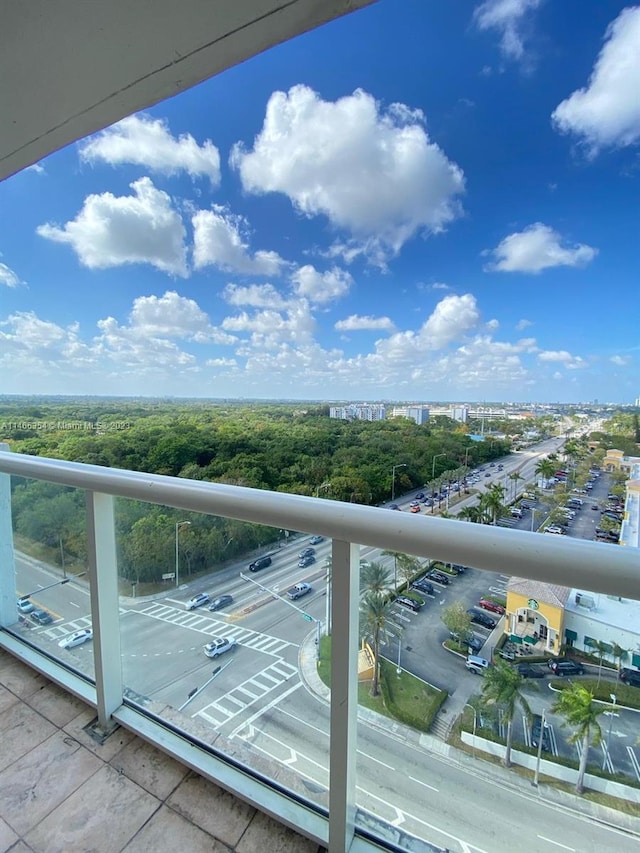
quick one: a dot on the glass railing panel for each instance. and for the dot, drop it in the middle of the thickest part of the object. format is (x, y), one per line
(219, 626)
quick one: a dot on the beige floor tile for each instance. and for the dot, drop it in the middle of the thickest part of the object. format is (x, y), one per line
(264, 833)
(106, 751)
(147, 766)
(22, 730)
(56, 704)
(6, 698)
(22, 680)
(7, 837)
(34, 786)
(216, 811)
(168, 832)
(103, 815)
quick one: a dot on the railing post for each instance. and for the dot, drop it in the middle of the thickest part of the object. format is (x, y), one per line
(344, 694)
(7, 561)
(105, 610)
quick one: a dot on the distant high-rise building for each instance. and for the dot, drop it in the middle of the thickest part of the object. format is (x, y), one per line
(460, 413)
(358, 412)
(637, 403)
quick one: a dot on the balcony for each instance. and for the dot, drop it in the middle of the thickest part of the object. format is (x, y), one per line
(170, 760)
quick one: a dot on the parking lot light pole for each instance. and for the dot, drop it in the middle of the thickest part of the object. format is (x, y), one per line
(323, 486)
(393, 479)
(533, 519)
(179, 524)
(433, 465)
(536, 775)
(398, 668)
(613, 698)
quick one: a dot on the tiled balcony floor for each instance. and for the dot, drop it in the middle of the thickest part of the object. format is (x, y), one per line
(62, 791)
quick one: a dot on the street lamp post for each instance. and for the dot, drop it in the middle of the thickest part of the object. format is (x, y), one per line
(533, 519)
(398, 668)
(433, 465)
(543, 725)
(179, 524)
(393, 479)
(613, 698)
(323, 486)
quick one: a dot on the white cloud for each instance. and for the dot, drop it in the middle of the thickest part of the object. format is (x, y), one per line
(144, 141)
(452, 318)
(220, 240)
(508, 17)
(269, 330)
(523, 324)
(356, 323)
(113, 230)
(492, 325)
(571, 362)
(38, 168)
(620, 360)
(440, 286)
(607, 111)
(8, 277)
(537, 248)
(173, 316)
(372, 172)
(321, 287)
(255, 295)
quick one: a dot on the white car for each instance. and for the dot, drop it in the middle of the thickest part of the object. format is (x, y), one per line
(198, 600)
(24, 605)
(76, 639)
(219, 646)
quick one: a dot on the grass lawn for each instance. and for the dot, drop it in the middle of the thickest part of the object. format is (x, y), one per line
(403, 697)
(625, 694)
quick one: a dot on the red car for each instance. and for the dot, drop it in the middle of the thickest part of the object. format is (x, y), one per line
(415, 509)
(491, 605)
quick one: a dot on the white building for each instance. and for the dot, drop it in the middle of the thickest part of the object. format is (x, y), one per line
(459, 413)
(358, 412)
(417, 413)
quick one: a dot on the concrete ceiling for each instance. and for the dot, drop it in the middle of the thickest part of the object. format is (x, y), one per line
(72, 67)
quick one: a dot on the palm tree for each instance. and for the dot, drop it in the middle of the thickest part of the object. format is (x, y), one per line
(395, 555)
(602, 650)
(375, 579)
(545, 469)
(514, 479)
(619, 654)
(471, 513)
(375, 610)
(576, 705)
(502, 686)
(492, 502)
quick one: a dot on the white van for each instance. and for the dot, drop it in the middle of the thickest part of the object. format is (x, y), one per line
(477, 665)
(516, 512)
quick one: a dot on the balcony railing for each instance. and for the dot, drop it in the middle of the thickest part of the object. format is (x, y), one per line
(551, 559)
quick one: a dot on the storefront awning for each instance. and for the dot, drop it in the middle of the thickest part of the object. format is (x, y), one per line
(570, 635)
(514, 638)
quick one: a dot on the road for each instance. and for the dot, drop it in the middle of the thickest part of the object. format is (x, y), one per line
(258, 698)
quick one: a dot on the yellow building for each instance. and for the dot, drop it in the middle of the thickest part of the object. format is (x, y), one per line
(535, 615)
(615, 460)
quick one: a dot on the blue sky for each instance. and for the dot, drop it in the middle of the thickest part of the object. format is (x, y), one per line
(420, 201)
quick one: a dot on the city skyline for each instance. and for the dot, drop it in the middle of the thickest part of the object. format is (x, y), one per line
(455, 223)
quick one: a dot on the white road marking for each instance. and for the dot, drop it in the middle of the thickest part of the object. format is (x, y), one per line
(420, 782)
(551, 841)
(73, 604)
(377, 761)
(266, 708)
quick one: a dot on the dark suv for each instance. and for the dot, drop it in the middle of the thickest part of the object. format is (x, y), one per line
(481, 618)
(260, 563)
(411, 603)
(565, 667)
(630, 676)
(423, 586)
(537, 732)
(439, 577)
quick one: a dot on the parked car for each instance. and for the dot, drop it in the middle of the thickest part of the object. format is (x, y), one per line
(411, 603)
(487, 604)
(76, 639)
(218, 646)
(316, 540)
(25, 606)
(415, 508)
(439, 577)
(477, 665)
(473, 643)
(260, 563)
(420, 496)
(526, 670)
(220, 602)
(538, 731)
(423, 586)
(305, 561)
(630, 676)
(481, 618)
(565, 667)
(41, 617)
(198, 600)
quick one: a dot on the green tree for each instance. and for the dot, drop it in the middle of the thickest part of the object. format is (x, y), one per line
(502, 686)
(492, 502)
(471, 513)
(456, 619)
(619, 654)
(575, 703)
(375, 611)
(514, 477)
(545, 469)
(375, 579)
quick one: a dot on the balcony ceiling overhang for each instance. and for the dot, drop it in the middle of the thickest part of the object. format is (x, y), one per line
(72, 67)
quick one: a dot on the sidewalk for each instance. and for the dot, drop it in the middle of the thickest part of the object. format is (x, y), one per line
(492, 773)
